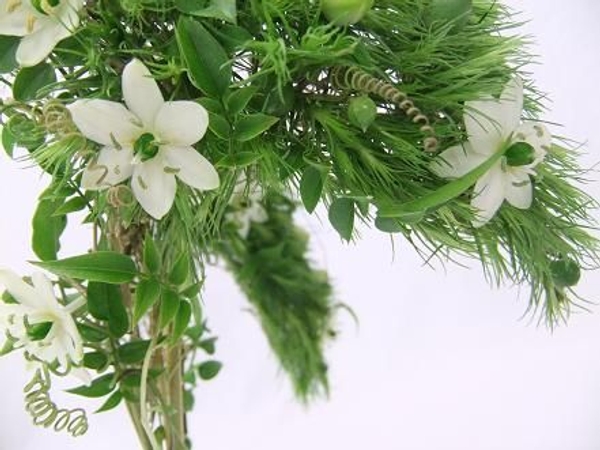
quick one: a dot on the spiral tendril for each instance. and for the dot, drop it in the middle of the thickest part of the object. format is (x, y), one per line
(358, 80)
(44, 411)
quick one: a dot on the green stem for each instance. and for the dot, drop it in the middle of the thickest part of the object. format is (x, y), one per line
(134, 414)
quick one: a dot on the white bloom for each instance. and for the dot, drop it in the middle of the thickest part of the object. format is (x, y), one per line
(494, 124)
(151, 142)
(41, 27)
(247, 206)
(37, 305)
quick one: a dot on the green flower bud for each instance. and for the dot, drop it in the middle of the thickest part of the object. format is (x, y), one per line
(146, 146)
(444, 11)
(362, 112)
(519, 154)
(45, 7)
(345, 12)
(39, 331)
(565, 272)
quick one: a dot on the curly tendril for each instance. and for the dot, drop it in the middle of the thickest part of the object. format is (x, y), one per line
(358, 80)
(44, 411)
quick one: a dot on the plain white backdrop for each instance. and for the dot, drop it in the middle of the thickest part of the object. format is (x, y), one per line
(439, 361)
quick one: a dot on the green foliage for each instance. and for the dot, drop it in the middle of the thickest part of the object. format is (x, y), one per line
(209, 369)
(146, 295)
(30, 81)
(47, 227)
(105, 266)
(99, 387)
(292, 299)
(341, 216)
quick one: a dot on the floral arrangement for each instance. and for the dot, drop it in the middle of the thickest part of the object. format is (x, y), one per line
(185, 132)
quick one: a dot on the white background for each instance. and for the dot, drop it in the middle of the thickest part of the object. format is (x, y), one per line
(439, 360)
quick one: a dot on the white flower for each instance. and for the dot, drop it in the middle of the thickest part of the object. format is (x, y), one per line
(41, 23)
(493, 125)
(151, 142)
(37, 305)
(247, 207)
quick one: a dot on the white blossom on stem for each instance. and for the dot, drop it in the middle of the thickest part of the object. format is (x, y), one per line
(493, 125)
(41, 24)
(149, 141)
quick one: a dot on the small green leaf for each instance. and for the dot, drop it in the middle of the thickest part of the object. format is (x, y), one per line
(99, 388)
(30, 80)
(253, 125)
(188, 400)
(192, 291)
(152, 259)
(341, 216)
(72, 205)
(8, 50)
(218, 9)
(95, 360)
(180, 271)
(146, 295)
(92, 334)
(236, 101)
(133, 352)
(219, 126)
(209, 68)
(118, 320)
(209, 369)
(182, 320)
(8, 141)
(97, 298)
(311, 187)
(104, 266)
(388, 225)
(47, 229)
(208, 345)
(113, 401)
(169, 305)
(565, 272)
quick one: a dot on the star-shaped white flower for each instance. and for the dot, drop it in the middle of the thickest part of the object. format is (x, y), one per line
(41, 24)
(247, 206)
(151, 142)
(493, 125)
(37, 305)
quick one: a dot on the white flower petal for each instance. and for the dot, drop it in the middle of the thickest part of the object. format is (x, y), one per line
(518, 189)
(456, 161)
(105, 122)
(192, 168)
(488, 196)
(13, 23)
(24, 293)
(141, 93)
(536, 135)
(112, 167)
(181, 123)
(82, 375)
(45, 292)
(35, 47)
(490, 122)
(153, 187)
(257, 213)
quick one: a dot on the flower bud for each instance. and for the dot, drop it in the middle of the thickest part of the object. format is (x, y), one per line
(345, 12)
(362, 112)
(146, 146)
(519, 154)
(565, 272)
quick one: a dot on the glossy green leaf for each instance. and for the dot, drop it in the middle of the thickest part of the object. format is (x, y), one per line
(104, 266)
(72, 205)
(92, 334)
(95, 360)
(388, 225)
(180, 271)
(208, 345)
(133, 352)
(239, 159)
(146, 295)
(169, 305)
(341, 216)
(99, 388)
(8, 50)
(208, 65)
(311, 187)
(219, 126)
(30, 80)
(209, 369)
(8, 141)
(113, 401)
(182, 320)
(253, 125)
(98, 298)
(236, 101)
(217, 9)
(118, 319)
(47, 228)
(152, 259)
